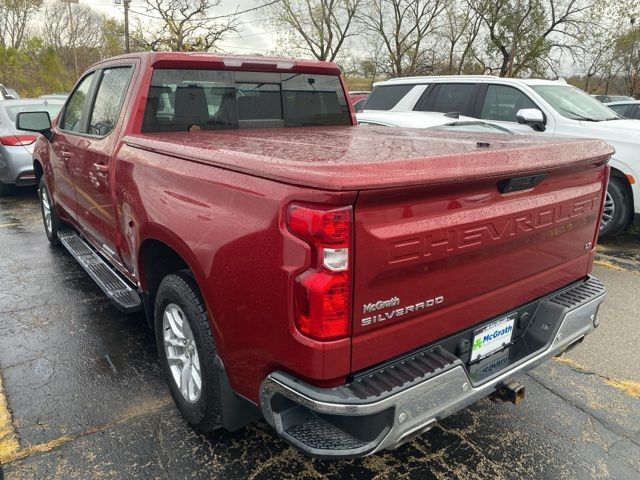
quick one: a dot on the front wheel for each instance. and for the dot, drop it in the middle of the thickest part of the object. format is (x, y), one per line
(187, 350)
(617, 209)
(52, 222)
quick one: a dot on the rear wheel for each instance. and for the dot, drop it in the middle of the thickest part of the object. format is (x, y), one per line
(617, 209)
(52, 222)
(187, 350)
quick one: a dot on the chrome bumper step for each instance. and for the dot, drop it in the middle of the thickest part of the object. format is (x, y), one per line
(391, 404)
(120, 292)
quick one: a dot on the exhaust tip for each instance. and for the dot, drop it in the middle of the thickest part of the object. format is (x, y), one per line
(511, 391)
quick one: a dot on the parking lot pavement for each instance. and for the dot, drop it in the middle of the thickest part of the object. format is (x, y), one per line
(82, 396)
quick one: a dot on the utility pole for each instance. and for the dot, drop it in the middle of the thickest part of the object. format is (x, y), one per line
(125, 4)
(632, 69)
(126, 25)
(72, 36)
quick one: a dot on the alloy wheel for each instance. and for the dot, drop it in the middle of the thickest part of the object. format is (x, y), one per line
(608, 212)
(46, 209)
(181, 353)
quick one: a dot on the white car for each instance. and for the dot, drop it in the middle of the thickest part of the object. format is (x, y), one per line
(436, 120)
(529, 106)
(626, 109)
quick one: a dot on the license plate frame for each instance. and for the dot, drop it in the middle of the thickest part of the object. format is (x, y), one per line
(493, 337)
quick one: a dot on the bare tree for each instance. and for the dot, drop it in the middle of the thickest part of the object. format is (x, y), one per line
(323, 25)
(14, 18)
(522, 33)
(460, 31)
(183, 25)
(79, 40)
(404, 26)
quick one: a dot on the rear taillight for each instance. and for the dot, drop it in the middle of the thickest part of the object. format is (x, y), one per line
(17, 140)
(323, 292)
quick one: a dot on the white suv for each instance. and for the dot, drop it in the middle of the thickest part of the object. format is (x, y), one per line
(531, 106)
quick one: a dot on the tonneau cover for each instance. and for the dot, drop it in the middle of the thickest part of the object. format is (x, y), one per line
(364, 158)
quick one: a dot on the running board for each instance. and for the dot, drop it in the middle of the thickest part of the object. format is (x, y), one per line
(124, 297)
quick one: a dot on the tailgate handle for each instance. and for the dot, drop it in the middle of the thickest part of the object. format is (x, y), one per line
(520, 183)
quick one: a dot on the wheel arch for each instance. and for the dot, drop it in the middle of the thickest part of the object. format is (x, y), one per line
(624, 180)
(156, 260)
(38, 170)
(160, 253)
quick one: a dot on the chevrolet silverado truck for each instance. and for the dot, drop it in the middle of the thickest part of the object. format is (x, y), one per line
(350, 285)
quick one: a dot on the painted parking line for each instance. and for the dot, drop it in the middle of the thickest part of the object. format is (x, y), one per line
(10, 447)
(9, 444)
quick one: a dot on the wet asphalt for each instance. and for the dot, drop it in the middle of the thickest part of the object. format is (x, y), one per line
(82, 395)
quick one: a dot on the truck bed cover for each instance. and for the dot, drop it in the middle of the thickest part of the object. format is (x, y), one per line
(364, 158)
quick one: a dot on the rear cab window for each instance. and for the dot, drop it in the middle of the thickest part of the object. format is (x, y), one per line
(180, 100)
(385, 97)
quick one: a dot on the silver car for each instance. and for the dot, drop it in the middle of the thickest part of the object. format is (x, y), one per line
(16, 146)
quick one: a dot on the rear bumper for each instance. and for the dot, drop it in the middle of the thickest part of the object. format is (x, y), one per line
(401, 400)
(16, 166)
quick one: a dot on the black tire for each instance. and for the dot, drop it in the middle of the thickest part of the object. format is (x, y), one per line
(56, 224)
(617, 209)
(6, 189)
(181, 289)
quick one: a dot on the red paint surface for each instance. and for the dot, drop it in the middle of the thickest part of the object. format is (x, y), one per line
(219, 199)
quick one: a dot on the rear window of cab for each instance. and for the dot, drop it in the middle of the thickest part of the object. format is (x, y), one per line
(181, 100)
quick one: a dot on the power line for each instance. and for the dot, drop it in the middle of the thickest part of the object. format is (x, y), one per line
(253, 9)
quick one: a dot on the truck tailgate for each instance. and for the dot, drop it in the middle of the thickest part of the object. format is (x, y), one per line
(433, 260)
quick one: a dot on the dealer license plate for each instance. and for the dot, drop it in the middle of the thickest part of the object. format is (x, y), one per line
(492, 338)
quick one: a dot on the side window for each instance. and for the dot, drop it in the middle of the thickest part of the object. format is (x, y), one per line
(385, 97)
(636, 112)
(111, 92)
(503, 102)
(619, 109)
(72, 117)
(448, 97)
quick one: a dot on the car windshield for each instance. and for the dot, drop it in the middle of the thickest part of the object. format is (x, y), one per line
(571, 102)
(52, 108)
(473, 127)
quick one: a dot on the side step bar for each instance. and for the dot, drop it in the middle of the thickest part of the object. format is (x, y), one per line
(120, 292)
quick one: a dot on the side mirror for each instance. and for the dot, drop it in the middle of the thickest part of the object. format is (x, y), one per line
(532, 117)
(39, 122)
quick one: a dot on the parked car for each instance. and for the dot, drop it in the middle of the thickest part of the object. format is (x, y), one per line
(612, 98)
(358, 99)
(435, 120)
(626, 109)
(55, 96)
(16, 146)
(541, 107)
(8, 93)
(352, 285)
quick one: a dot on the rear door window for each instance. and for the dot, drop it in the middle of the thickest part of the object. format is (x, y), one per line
(501, 103)
(385, 97)
(111, 92)
(212, 99)
(73, 118)
(621, 110)
(448, 98)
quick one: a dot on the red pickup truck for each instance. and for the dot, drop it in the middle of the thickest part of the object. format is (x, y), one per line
(351, 285)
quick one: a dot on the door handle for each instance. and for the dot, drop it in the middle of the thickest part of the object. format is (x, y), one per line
(101, 169)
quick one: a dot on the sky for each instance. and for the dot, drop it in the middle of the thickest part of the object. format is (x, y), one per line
(256, 34)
